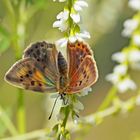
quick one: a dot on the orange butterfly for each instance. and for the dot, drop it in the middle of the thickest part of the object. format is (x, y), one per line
(45, 69)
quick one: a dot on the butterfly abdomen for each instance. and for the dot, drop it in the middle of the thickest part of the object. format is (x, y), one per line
(62, 64)
(63, 70)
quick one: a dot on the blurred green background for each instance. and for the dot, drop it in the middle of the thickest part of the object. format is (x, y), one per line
(104, 20)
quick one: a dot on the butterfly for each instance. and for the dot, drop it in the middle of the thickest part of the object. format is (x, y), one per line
(44, 69)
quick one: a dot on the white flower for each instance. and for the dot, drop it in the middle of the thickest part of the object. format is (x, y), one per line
(129, 26)
(113, 78)
(119, 57)
(63, 15)
(120, 69)
(125, 85)
(83, 35)
(136, 39)
(134, 58)
(79, 36)
(62, 23)
(78, 106)
(85, 91)
(75, 17)
(62, 42)
(79, 4)
(135, 4)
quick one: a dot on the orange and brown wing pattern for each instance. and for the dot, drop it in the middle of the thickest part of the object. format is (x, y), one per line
(28, 74)
(76, 53)
(82, 67)
(85, 76)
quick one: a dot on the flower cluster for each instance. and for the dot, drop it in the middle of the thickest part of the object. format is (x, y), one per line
(68, 22)
(72, 108)
(134, 4)
(129, 57)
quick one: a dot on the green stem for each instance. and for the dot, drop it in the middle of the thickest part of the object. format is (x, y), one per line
(67, 112)
(108, 99)
(21, 121)
(7, 122)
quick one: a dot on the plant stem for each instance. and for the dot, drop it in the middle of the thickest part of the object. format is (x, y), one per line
(108, 99)
(7, 122)
(67, 111)
(21, 112)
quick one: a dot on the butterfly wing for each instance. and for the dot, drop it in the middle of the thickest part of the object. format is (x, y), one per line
(28, 74)
(46, 55)
(82, 67)
(76, 53)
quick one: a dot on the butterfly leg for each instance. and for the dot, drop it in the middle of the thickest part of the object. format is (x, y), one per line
(63, 97)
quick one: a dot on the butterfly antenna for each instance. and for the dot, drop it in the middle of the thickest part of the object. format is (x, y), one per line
(53, 107)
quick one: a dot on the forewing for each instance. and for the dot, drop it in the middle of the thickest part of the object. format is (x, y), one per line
(85, 76)
(28, 74)
(76, 53)
(46, 55)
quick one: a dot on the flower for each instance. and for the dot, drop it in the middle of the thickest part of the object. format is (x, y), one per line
(134, 58)
(119, 57)
(121, 69)
(75, 17)
(129, 26)
(62, 42)
(78, 106)
(79, 4)
(113, 78)
(136, 39)
(134, 4)
(122, 84)
(125, 85)
(85, 91)
(62, 23)
(79, 36)
(118, 71)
